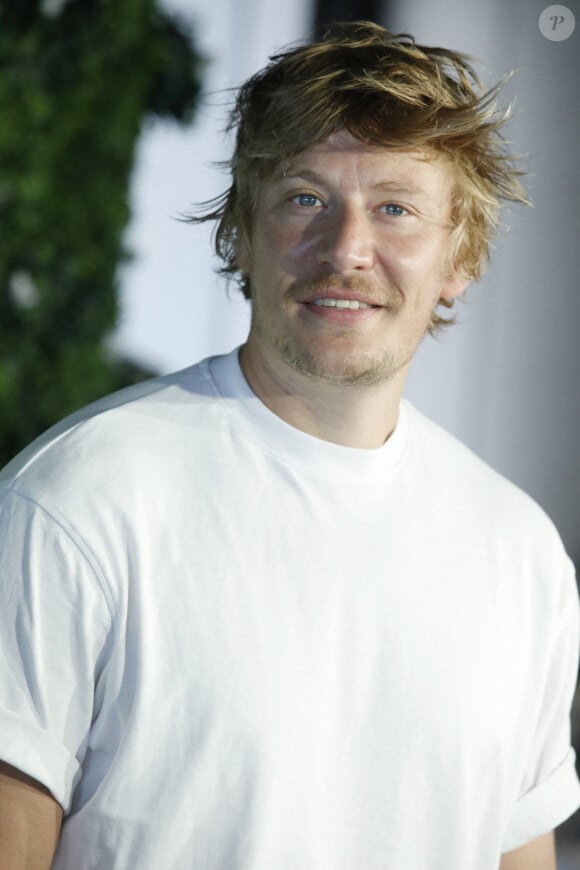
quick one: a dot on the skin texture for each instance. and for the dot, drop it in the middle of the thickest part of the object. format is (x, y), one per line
(364, 223)
(30, 821)
(539, 854)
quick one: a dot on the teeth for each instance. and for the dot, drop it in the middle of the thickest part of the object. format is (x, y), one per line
(341, 303)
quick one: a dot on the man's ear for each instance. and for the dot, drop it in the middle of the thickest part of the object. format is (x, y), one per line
(454, 284)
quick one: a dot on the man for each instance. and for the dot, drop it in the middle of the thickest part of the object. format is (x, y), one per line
(262, 613)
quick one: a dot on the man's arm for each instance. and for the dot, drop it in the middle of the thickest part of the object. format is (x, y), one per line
(539, 854)
(30, 821)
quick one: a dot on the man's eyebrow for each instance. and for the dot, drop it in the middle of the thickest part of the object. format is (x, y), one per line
(401, 187)
(289, 172)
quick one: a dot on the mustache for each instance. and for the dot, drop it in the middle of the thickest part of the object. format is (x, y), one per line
(373, 292)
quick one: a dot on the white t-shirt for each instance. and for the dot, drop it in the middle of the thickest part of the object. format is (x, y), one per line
(228, 645)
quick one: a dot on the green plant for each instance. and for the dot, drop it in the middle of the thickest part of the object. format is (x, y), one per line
(77, 81)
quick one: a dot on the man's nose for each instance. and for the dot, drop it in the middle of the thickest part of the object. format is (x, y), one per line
(347, 241)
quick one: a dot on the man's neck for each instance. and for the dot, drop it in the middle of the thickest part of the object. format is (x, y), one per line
(349, 415)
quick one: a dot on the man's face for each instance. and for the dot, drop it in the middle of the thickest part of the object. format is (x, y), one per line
(348, 259)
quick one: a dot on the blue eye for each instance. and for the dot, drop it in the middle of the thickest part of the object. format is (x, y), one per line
(394, 210)
(306, 199)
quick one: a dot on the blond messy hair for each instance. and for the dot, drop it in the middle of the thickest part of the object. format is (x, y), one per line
(387, 91)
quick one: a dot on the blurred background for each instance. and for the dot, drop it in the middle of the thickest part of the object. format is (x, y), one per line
(112, 123)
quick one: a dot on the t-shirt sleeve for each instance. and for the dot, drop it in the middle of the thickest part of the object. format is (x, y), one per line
(550, 791)
(54, 626)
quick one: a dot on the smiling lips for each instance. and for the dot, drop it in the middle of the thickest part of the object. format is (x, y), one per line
(340, 311)
(331, 302)
(346, 293)
(343, 310)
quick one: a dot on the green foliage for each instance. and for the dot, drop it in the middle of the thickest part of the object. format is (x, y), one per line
(77, 80)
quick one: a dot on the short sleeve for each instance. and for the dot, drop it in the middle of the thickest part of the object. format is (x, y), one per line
(54, 625)
(550, 790)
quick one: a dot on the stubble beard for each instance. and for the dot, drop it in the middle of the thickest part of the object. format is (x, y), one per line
(364, 370)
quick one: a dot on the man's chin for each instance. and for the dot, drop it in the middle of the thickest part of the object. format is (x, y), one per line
(338, 369)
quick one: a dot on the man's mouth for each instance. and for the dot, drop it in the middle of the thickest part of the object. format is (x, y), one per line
(353, 304)
(346, 293)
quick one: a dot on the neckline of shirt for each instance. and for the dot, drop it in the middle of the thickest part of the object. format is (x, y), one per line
(292, 444)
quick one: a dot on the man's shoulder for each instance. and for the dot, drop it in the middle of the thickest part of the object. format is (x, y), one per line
(124, 421)
(472, 485)
(457, 461)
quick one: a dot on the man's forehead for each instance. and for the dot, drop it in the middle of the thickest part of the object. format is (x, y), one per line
(411, 169)
(344, 143)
